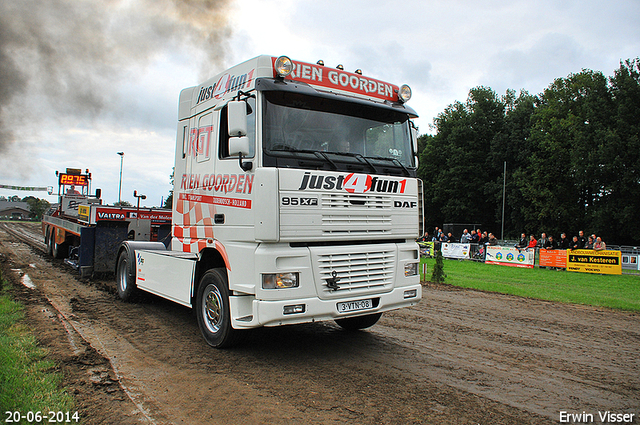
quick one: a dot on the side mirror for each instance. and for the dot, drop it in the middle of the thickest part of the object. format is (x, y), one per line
(414, 139)
(237, 119)
(240, 145)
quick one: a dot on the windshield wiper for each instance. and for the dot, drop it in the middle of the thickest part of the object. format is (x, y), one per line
(395, 161)
(325, 156)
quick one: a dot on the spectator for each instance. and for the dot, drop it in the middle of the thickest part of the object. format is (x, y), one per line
(551, 243)
(450, 237)
(492, 240)
(589, 244)
(443, 237)
(564, 243)
(424, 238)
(542, 242)
(474, 237)
(532, 242)
(599, 245)
(466, 237)
(523, 242)
(575, 244)
(582, 239)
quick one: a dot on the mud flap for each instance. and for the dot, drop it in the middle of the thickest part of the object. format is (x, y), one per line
(108, 236)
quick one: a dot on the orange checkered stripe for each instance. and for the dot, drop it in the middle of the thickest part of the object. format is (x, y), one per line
(196, 231)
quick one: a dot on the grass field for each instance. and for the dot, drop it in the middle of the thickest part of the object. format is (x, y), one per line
(612, 291)
(28, 382)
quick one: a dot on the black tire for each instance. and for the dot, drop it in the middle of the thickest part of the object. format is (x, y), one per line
(125, 277)
(50, 242)
(359, 322)
(212, 310)
(59, 250)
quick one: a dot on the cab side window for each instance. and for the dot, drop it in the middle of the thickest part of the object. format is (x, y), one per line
(203, 142)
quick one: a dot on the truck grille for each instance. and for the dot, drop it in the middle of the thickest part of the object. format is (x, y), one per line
(346, 214)
(361, 272)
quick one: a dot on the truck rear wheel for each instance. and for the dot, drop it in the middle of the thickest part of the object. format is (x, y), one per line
(212, 310)
(50, 242)
(125, 277)
(59, 250)
(359, 322)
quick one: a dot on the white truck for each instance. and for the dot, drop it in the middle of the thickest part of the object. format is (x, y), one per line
(295, 200)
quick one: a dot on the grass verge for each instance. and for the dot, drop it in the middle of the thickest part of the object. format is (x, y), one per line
(612, 291)
(28, 381)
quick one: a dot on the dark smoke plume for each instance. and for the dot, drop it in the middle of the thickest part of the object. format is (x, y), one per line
(64, 58)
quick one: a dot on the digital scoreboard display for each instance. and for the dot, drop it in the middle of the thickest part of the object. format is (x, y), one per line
(73, 179)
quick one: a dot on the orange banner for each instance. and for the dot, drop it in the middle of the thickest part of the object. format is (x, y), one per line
(553, 258)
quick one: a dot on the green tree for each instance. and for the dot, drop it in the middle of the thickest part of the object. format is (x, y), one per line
(168, 203)
(438, 275)
(619, 197)
(569, 130)
(463, 181)
(37, 206)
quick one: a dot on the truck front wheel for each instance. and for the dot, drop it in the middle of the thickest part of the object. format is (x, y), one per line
(125, 277)
(212, 310)
(359, 322)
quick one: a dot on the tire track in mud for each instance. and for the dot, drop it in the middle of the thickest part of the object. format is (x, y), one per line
(458, 357)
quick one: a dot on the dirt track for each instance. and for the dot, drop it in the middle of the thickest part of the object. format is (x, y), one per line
(459, 357)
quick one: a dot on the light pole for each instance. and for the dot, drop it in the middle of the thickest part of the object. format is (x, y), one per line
(504, 190)
(120, 185)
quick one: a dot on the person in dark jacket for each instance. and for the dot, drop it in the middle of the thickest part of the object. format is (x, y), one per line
(542, 242)
(551, 243)
(575, 243)
(582, 239)
(564, 242)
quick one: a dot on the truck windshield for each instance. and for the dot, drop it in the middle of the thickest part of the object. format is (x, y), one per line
(313, 130)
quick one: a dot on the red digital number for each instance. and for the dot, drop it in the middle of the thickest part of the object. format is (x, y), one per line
(73, 179)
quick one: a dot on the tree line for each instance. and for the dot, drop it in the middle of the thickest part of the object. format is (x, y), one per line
(37, 206)
(572, 158)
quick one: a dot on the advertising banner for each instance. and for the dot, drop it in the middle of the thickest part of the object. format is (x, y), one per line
(426, 249)
(553, 258)
(507, 256)
(590, 261)
(630, 261)
(456, 250)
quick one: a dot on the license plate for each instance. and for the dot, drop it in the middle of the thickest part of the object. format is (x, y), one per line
(354, 306)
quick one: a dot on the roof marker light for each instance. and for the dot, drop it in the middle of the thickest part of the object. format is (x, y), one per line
(340, 67)
(283, 66)
(404, 93)
(320, 62)
(359, 71)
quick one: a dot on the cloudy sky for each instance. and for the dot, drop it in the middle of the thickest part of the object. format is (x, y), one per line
(81, 80)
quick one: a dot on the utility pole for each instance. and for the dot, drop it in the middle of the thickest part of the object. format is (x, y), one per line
(504, 187)
(120, 185)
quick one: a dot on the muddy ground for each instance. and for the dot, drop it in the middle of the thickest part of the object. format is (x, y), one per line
(459, 357)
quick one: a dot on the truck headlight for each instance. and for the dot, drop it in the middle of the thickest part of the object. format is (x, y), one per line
(410, 269)
(280, 280)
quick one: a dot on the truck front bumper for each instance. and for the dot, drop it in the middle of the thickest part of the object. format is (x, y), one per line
(253, 313)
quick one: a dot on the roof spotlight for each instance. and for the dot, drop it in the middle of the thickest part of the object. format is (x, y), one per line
(340, 67)
(404, 93)
(359, 71)
(320, 62)
(283, 66)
